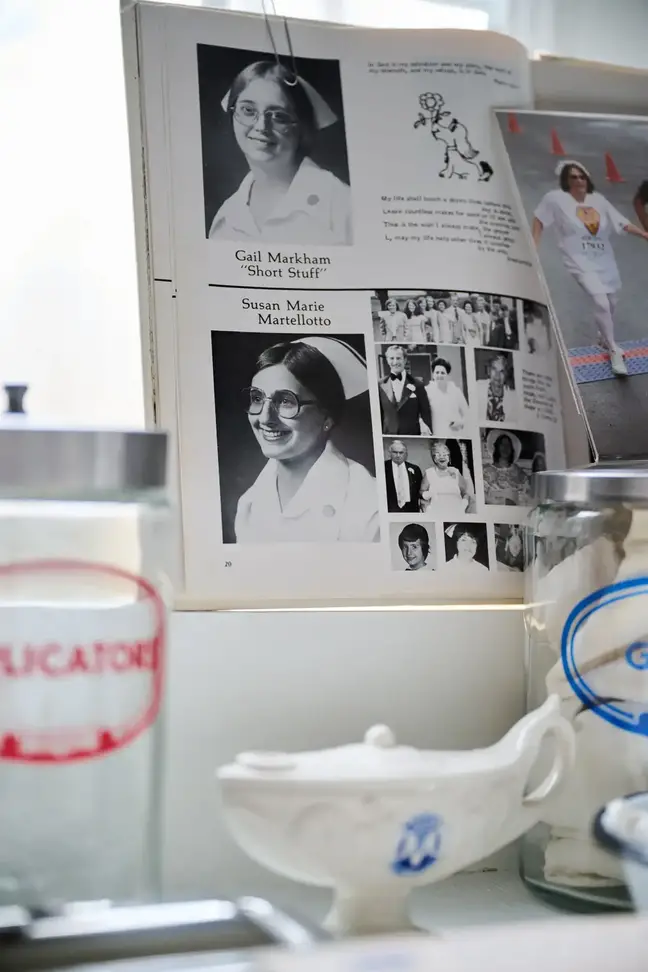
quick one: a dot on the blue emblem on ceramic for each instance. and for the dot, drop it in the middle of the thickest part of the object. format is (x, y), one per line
(419, 844)
(630, 716)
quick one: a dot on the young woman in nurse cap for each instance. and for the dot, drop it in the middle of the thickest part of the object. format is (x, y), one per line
(285, 197)
(308, 491)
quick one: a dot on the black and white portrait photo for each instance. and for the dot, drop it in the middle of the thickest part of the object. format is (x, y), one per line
(413, 545)
(509, 462)
(275, 164)
(509, 547)
(434, 476)
(295, 444)
(402, 478)
(498, 319)
(466, 547)
(497, 397)
(408, 316)
(422, 389)
(445, 317)
(537, 327)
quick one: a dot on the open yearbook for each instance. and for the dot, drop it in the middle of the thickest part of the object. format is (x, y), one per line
(346, 315)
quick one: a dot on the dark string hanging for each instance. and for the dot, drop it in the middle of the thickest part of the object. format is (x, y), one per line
(295, 78)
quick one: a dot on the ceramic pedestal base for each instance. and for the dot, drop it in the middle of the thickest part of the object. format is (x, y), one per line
(370, 911)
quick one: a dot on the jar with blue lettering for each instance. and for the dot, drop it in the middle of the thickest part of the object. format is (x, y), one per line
(587, 642)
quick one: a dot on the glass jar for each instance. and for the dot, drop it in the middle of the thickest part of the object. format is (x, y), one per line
(587, 642)
(84, 541)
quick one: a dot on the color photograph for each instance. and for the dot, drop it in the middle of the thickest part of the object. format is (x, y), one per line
(583, 183)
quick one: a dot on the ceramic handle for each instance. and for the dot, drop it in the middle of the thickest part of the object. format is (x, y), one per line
(563, 759)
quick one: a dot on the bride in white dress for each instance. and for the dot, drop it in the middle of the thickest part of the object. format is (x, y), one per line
(447, 401)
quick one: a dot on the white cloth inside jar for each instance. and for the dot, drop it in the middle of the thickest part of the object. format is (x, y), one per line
(609, 760)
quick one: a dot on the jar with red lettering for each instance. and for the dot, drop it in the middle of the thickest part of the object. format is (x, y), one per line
(84, 532)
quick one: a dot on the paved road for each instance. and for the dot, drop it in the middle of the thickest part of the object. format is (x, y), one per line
(618, 408)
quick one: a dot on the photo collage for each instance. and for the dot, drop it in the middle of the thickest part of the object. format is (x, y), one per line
(453, 432)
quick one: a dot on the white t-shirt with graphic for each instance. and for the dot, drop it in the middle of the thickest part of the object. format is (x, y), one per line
(583, 230)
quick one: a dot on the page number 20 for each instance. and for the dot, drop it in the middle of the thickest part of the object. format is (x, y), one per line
(228, 563)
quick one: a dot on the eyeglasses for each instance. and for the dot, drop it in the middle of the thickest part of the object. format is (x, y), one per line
(247, 113)
(284, 402)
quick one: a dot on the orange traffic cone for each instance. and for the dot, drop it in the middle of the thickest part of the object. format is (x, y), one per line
(513, 124)
(556, 144)
(612, 174)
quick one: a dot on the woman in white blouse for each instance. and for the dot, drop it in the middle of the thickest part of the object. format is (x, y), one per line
(394, 321)
(308, 490)
(285, 197)
(464, 539)
(583, 221)
(472, 333)
(416, 327)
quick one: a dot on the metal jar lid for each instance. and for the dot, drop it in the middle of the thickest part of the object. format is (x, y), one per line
(594, 485)
(54, 463)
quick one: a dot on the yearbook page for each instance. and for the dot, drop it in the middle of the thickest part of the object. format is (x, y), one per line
(582, 188)
(365, 374)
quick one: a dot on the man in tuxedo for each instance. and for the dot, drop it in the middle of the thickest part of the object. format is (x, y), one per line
(403, 480)
(403, 400)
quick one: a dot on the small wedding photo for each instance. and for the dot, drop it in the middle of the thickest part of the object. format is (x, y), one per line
(497, 397)
(444, 317)
(509, 463)
(509, 547)
(422, 389)
(275, 164)
(434, 476)
(413, 545)
(294, 438)
(466, 547)
(537, 328)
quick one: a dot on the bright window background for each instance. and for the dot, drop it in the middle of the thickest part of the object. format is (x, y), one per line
(69, 324)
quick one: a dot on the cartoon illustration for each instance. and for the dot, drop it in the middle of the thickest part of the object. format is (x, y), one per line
(418, 847)
(444, 127)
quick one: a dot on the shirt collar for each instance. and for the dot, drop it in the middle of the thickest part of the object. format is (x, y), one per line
(307, 194)
(323, 490)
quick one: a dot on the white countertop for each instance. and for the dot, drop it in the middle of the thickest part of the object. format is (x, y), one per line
(468, 899)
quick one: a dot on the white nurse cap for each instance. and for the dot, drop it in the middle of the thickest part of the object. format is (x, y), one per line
(565, 162)
(323, 114)
(350, 366)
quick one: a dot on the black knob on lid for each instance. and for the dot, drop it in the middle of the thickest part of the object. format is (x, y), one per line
(15, 399)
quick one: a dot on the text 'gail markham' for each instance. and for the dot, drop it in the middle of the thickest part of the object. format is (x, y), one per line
(293, 264)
